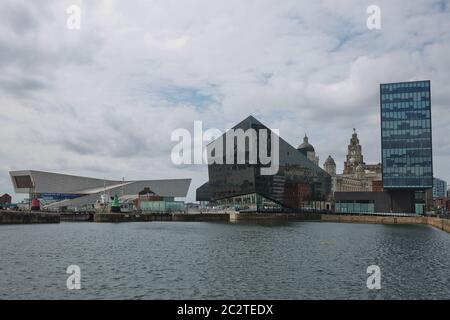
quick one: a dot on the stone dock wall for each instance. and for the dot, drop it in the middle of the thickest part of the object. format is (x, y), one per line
(272, 216)
(28, 217)
(22, 217)
(443, 224)
(201, 217)
(77, 217)
(122, 217)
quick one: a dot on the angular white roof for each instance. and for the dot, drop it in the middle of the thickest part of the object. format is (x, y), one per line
(90, 189)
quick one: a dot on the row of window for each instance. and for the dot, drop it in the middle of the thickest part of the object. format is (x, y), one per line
(405, 153)
(407, 162)
(406, 134)
(411, 96)
(355, 207)
(413, 162)
(407, 171)
(406, 105)
(405, 86)
(399, 182)
(406, 125)
(407, 144)
(406, 115)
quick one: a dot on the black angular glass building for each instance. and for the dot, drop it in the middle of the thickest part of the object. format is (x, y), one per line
(297, 184)
(406, 140)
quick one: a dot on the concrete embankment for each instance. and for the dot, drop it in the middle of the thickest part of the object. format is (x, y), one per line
(372, 219)
(77, 217)
(249, 216)
(443, 224)
(122, 217)
(201, 217)
(28, 217)
(141, 217)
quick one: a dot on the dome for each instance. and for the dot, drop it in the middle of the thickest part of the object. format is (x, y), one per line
(305, 147)
(330, 161)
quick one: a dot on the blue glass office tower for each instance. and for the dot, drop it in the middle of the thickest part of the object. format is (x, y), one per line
(406, 141)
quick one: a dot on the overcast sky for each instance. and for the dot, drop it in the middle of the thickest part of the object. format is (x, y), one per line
(102, 101)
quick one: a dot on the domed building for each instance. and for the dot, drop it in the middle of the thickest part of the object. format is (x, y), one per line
(308, 150)
(330, 166)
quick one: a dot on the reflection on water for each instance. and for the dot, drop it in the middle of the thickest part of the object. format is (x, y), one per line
(257, 260)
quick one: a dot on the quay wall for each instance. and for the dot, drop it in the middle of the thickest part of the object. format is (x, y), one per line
(77, 217)
(201, 217)
(28, 217)
(32, 217)
(443, 224)
(122, 217)
(270, 216)
(372, 219)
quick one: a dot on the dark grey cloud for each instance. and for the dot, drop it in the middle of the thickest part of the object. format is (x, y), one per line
(22, 85)
(19, 16)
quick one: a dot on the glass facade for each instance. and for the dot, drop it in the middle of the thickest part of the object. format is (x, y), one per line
(439, 188)
(406, 142)
(251, 202)
(297, 184)
(359, 207)
(162, 206)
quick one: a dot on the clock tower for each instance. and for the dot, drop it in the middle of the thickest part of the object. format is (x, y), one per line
(354, 155)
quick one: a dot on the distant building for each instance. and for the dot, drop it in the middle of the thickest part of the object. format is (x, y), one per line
(298, 184)
(357, 175)
(441, 204)
(67, 191)
(406, 149)
(406, 143)
(377, 186)
(439, 188)
(308, 150)
(5, 199)
(330, 166)
(354, 155)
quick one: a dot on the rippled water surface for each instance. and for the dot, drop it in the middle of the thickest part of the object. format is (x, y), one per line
(183, 260)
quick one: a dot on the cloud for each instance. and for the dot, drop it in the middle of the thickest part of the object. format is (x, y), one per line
(103, 100)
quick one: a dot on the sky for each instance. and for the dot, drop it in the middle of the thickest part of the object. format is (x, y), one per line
(103, 100)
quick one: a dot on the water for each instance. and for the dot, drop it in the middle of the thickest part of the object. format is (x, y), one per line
(183, 260)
